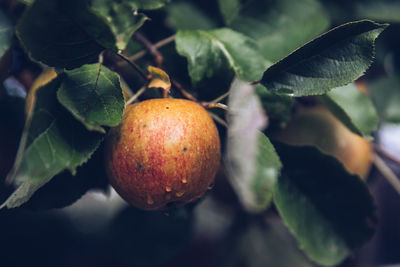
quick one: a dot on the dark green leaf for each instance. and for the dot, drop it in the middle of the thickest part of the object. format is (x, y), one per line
(50, 32)
(56, 141)
(385, 94)
(186, 16)
(334, 59)
(6, 33)
(209, 51)
(229, 9)
(328, 210)
(92, 94)
(278, 107)
(121, 19)
(280, 26)
(353, 108)
(147, 4)
(250, 160)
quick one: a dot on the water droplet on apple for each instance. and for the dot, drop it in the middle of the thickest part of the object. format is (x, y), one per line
(179, 194)
(150, 201)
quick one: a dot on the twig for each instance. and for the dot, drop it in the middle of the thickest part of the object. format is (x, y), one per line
(136, 96)
(214, 105)
(387, 173)
(385, 154)
(134, 66)
(220, 98)
(218, 119)
(157, 45)
(157, 56)
(185, 93)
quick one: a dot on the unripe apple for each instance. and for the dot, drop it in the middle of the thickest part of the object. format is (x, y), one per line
(165, 153)
(317, 126)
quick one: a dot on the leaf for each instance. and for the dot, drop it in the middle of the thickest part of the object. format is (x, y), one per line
(159, 79)
(6, 33)
(385, 94)
(186, 16)
(121, 19)
(353, 108)
(334, 59)
(52, 35)
(93, 95)
(229, 9)
(209, 51)
(56, 141)
(280, 26)
(147, 4)
(250, 160)
(328, 210)
(278, 107)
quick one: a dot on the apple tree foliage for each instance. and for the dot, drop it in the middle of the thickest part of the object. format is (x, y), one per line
(270, 56)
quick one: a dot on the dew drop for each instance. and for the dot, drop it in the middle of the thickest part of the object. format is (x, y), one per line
(150, 201)
(179, 194)
(168, 189)
(184, 181)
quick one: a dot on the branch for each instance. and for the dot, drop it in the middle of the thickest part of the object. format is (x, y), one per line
(157, 56)
(185, 93)
(214, 105)
(157, 45)
(134, 66)
(136, 96)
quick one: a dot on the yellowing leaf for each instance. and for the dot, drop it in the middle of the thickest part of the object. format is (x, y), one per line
(159, 79)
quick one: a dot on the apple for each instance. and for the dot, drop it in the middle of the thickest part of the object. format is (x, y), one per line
(319, 127)
(165, 153)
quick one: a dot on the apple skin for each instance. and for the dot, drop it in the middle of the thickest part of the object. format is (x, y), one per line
(165, 153)
(319, 127)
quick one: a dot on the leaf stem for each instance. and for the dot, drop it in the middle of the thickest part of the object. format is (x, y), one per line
(214, 105)
(136, 96)
(134, 66)
(182, 90)
(220, 98)
(387, 173)
(218, 119)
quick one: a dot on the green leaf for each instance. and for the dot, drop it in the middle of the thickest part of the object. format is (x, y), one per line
(353, 108)
(328, 210)
(121, 19)
(334, 59)
(280, 26)
(51, 33)
(250, 160)
(92, 94)
(385, 94)
(278, 107)
(147, 4)
(186, 16)
(229, 9)
(209, 51)
(6, 33)
(56, 141)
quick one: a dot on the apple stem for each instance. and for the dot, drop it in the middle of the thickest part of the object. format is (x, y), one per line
(389, 175)
(136, 96)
